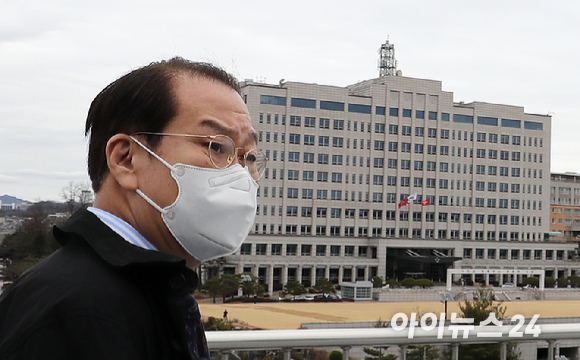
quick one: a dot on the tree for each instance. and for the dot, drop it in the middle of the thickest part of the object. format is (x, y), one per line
(479, 310)
(29, 244)
(230, 285)
(76, 193)
(378, 353)
(250, 284)
(212, 287)
(324, 286)
(423, 352)
(294, 288)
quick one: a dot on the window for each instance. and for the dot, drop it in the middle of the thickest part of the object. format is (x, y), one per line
(294, 139)
(336, 159)
(331, 105)
(419, 131)
(379, 128)
(431, 149)
(272, 100)
(322, 176)
(308, 139)
(379, 145)
(306, 211)
(323, 158)
(338, 125)
(432, 115)
(307, 193)
(292, 193)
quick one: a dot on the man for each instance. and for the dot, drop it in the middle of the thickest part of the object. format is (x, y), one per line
(174, 166)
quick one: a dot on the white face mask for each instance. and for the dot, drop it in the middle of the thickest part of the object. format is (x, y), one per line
(214, 210)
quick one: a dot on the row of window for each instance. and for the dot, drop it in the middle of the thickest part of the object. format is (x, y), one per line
(307, 250)
(391, 198)
(338, 124)
(308, 175)
(338, 141)
(492, 219)
(514, 254)
(415, 233)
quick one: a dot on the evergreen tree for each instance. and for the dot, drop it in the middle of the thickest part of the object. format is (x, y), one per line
(324, 286)
(479, 310)
(294, 288)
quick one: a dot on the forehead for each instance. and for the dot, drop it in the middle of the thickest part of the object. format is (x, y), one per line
(206, 107)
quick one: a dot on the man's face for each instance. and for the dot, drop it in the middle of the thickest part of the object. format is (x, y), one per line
(205, 107)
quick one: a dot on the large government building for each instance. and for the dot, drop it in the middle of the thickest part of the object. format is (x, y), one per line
(391, 177)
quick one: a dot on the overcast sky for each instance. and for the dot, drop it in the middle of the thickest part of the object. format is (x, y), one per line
(55, 56)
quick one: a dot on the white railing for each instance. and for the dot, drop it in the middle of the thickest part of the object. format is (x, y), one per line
(228, 341)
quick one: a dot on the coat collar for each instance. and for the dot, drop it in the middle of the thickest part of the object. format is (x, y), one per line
(117, 252)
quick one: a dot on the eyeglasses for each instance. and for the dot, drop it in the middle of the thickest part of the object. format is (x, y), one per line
(222, 152)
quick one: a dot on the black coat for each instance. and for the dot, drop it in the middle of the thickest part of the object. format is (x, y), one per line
(98, 297)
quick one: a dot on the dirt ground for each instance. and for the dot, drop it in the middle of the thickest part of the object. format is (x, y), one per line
(292, 315)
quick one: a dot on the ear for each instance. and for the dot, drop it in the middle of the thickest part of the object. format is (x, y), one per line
(120, 152)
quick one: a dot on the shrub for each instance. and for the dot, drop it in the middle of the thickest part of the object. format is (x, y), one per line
(549, 282)
(335, 355)
(408, 283)
(393, 283)
(424, 283)
(562, 283)
(574, 281)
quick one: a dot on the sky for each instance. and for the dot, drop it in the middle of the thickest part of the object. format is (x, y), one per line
(56, 56)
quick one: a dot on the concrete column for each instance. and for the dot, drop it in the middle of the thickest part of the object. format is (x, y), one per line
(340, 270)
(299, 273)
(487, 279)
(551, 349)
(255, 270)
(367, 272)
(224, 355)
(327, 272)
(287, 354)
(346, 353)
(284, 278)
(270, 279)
(313, 276)
(557, 350)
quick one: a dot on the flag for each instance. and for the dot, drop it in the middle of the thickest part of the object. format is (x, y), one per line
(412, 197)
(425, 202)
(403, 203)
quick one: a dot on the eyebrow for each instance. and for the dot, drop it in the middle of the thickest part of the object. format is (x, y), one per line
(210, 123)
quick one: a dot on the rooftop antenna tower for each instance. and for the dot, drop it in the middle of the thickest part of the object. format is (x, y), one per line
(387, 62)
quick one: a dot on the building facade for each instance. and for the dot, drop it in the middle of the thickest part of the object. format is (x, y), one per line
(565, 206)
(391, 177)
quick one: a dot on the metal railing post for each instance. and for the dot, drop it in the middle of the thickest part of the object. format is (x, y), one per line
(403, 352)
(503, 351)
(455, 351)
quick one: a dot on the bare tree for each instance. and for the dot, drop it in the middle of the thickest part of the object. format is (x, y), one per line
(76, 193)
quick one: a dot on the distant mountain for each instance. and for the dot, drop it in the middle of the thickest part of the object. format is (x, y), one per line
(7, 199)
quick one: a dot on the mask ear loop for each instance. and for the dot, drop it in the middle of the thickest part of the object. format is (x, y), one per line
(145, 197)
